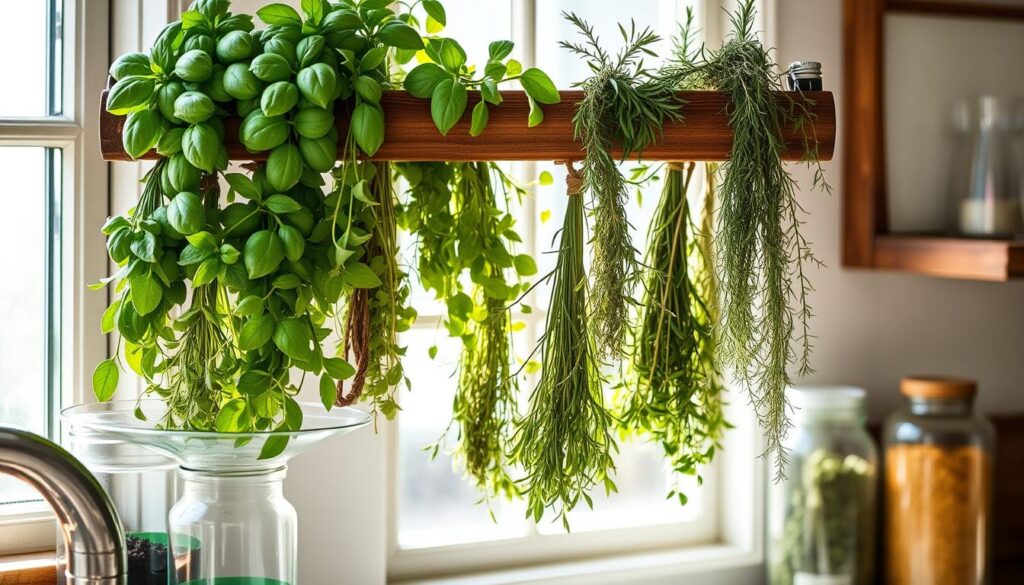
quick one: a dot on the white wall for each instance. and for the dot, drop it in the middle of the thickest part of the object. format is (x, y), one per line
(875, 327)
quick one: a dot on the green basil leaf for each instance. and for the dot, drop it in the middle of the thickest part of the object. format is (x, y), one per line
(109, 320)
(181, 174)
(240, 219)
(435, 10)
(165, 98)
(293, 337)
(263, 253)
(229, 254)
(191, 255)
(286, 282)
(359, 275)
(328, 391)
(314, 122)
(284, 48)
(314, 9)
(309, 49)
(104, 380)
(293, 242)
(525, 265)
(279, 14)
(399, 35)
(319, 154)
(498, 50)
(539, 86)
(284, 167)
(186, 214)
(513, 67)
(271, 68)
(142, 131)
(279, 98)
(248, 306)
(240, 83)
(317, 83)
(235, 46)
(421, 81)
(165, 48)
(255, 333)
(368, 127)
(242, 22)
(274, 446)
(170, 142)
(206, 272)
(448, 52)
(201, 146)
(194, 66)
(447, 104)
(368, 89)
(260, 132)
(338, 368)
(339, 20)
(495, 71)
(130, 94)
(373, 58)
(146, 293)
(202, 42)
(193, 107)
(145, 247)
(131, 64)
(232, 417)
(536, 114)
(191, 19)
(480, 116)
(489, 92)
(281, 204)
(243, 185)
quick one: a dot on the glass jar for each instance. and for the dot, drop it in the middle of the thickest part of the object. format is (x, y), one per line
(986, 192)
(821, 515)
(938, 485)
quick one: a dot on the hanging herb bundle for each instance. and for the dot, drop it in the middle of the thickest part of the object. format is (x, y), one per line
(564, 442)
(622, 107)
(760, 255)
(676, 394)
(460, 213)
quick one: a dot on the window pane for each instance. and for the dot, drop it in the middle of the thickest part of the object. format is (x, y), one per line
(25, 293)
(33, 35)
(436, 506)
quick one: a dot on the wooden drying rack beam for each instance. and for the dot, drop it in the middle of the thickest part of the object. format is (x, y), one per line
(410, 134)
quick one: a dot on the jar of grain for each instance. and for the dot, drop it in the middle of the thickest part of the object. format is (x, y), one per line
(821, 515)
(938, 486)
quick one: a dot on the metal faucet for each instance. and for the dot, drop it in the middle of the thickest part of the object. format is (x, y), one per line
(89, 524)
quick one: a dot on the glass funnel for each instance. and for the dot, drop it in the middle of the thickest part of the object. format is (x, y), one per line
(232, 524)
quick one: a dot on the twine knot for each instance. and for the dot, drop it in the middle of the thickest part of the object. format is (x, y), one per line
(573, 178)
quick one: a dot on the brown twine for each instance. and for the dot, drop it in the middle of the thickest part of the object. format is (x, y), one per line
(679, 166)
(357, 340)
(573, 178)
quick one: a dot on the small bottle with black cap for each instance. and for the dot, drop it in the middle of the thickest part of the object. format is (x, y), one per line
(804, 76)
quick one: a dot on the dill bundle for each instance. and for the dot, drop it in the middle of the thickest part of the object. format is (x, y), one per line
(564, 442)
(676, 395)
(622, 106)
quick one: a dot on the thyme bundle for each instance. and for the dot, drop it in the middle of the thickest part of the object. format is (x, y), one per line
(676, 394)
(622, 106)
(564, 442)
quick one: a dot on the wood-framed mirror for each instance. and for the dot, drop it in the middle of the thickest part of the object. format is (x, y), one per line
(873, 236)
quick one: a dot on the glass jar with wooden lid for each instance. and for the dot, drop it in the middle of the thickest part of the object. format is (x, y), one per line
(938, 485)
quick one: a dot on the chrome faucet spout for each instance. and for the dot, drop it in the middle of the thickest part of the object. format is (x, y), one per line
(88, 521)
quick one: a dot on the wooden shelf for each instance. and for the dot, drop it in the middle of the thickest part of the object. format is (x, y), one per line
(991, 260)
(410, 134)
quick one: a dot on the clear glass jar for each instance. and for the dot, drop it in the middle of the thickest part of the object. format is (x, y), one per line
(938, 485)
(986, 191)
(821, 515)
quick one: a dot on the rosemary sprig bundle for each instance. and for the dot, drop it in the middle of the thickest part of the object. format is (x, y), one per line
(760, 254)
(622, 106)
(676, 394)
(564, 442)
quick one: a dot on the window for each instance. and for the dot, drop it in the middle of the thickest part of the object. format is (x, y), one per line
(49, 165)
(437, 527)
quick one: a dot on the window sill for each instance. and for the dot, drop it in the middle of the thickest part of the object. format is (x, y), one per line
(29, 569)
(719, 563)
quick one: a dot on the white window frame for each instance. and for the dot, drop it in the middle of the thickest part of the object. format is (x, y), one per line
(82, 211)
(725, 546)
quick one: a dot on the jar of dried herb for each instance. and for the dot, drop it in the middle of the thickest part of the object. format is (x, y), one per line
(821, 515)
(938, 486)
